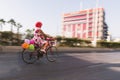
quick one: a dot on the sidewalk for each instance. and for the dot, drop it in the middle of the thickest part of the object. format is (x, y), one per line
(63, 49)
(86, 50)
(11, 49)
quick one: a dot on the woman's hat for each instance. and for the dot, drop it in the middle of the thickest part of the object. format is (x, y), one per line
(38, 24)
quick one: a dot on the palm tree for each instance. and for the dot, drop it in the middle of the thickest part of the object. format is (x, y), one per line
(2, 21)
(13, 23)
(29, 34)
(18, 28)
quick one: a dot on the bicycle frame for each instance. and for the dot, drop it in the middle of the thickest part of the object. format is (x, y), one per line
(50, 52)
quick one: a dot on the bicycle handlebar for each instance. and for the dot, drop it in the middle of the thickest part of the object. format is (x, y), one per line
(50, 39)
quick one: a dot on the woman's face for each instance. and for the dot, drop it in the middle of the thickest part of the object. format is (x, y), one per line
(39, 32)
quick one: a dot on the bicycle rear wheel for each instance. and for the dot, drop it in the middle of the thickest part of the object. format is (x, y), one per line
(29, 56)
(52, 54)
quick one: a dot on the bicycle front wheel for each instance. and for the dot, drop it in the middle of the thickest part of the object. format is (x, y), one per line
(29, 57)
(52, 54)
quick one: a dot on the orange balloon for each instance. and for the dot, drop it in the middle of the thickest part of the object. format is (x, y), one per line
(25, 45)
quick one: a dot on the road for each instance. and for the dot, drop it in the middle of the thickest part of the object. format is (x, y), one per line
(69, 66)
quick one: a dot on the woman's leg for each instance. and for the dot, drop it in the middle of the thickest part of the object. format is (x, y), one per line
(45, 45)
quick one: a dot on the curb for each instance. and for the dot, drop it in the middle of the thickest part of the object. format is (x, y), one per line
(86, 50)
(64, 49)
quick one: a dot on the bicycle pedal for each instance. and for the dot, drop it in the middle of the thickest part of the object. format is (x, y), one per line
(40, 55)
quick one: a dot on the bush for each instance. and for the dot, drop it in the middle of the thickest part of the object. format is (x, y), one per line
(73, 42)
(108, 44)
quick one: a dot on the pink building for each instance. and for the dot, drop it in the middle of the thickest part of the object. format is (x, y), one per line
(81, 24)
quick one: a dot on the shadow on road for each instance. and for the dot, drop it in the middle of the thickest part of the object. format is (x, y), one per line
(69, 66)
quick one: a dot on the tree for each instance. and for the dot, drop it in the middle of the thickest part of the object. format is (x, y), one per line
(29, 34)
(6, 35)
(18, 28)
(2, 21)
(13, 23)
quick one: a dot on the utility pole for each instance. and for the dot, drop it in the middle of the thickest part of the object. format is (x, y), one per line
(95, 24)
(81, 5)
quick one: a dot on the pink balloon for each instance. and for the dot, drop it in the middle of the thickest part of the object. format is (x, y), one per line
(27, 41)
(32, 41)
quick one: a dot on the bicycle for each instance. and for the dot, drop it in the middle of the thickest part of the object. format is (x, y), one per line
(32, 56)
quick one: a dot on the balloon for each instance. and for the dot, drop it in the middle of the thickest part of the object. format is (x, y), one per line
(27, 41)
(25, 45)
(32, 41)
(38, 24)
(31, 47)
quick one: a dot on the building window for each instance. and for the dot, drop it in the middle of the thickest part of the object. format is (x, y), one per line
(84, 26)
(90, 34)
(78, 35)
(78, 27)
(84, 35)
(73, 27)
(64, 28)
(69, 28)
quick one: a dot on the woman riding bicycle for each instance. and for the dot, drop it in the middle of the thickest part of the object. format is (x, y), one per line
(43, 43)
(40, 37)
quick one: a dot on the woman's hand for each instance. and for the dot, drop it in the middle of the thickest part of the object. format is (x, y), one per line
(51, 38)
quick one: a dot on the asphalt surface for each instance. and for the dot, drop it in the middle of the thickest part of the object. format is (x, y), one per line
(11, 49)
(69, 66)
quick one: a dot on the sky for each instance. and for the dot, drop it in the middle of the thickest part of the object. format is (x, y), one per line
(49, 12)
